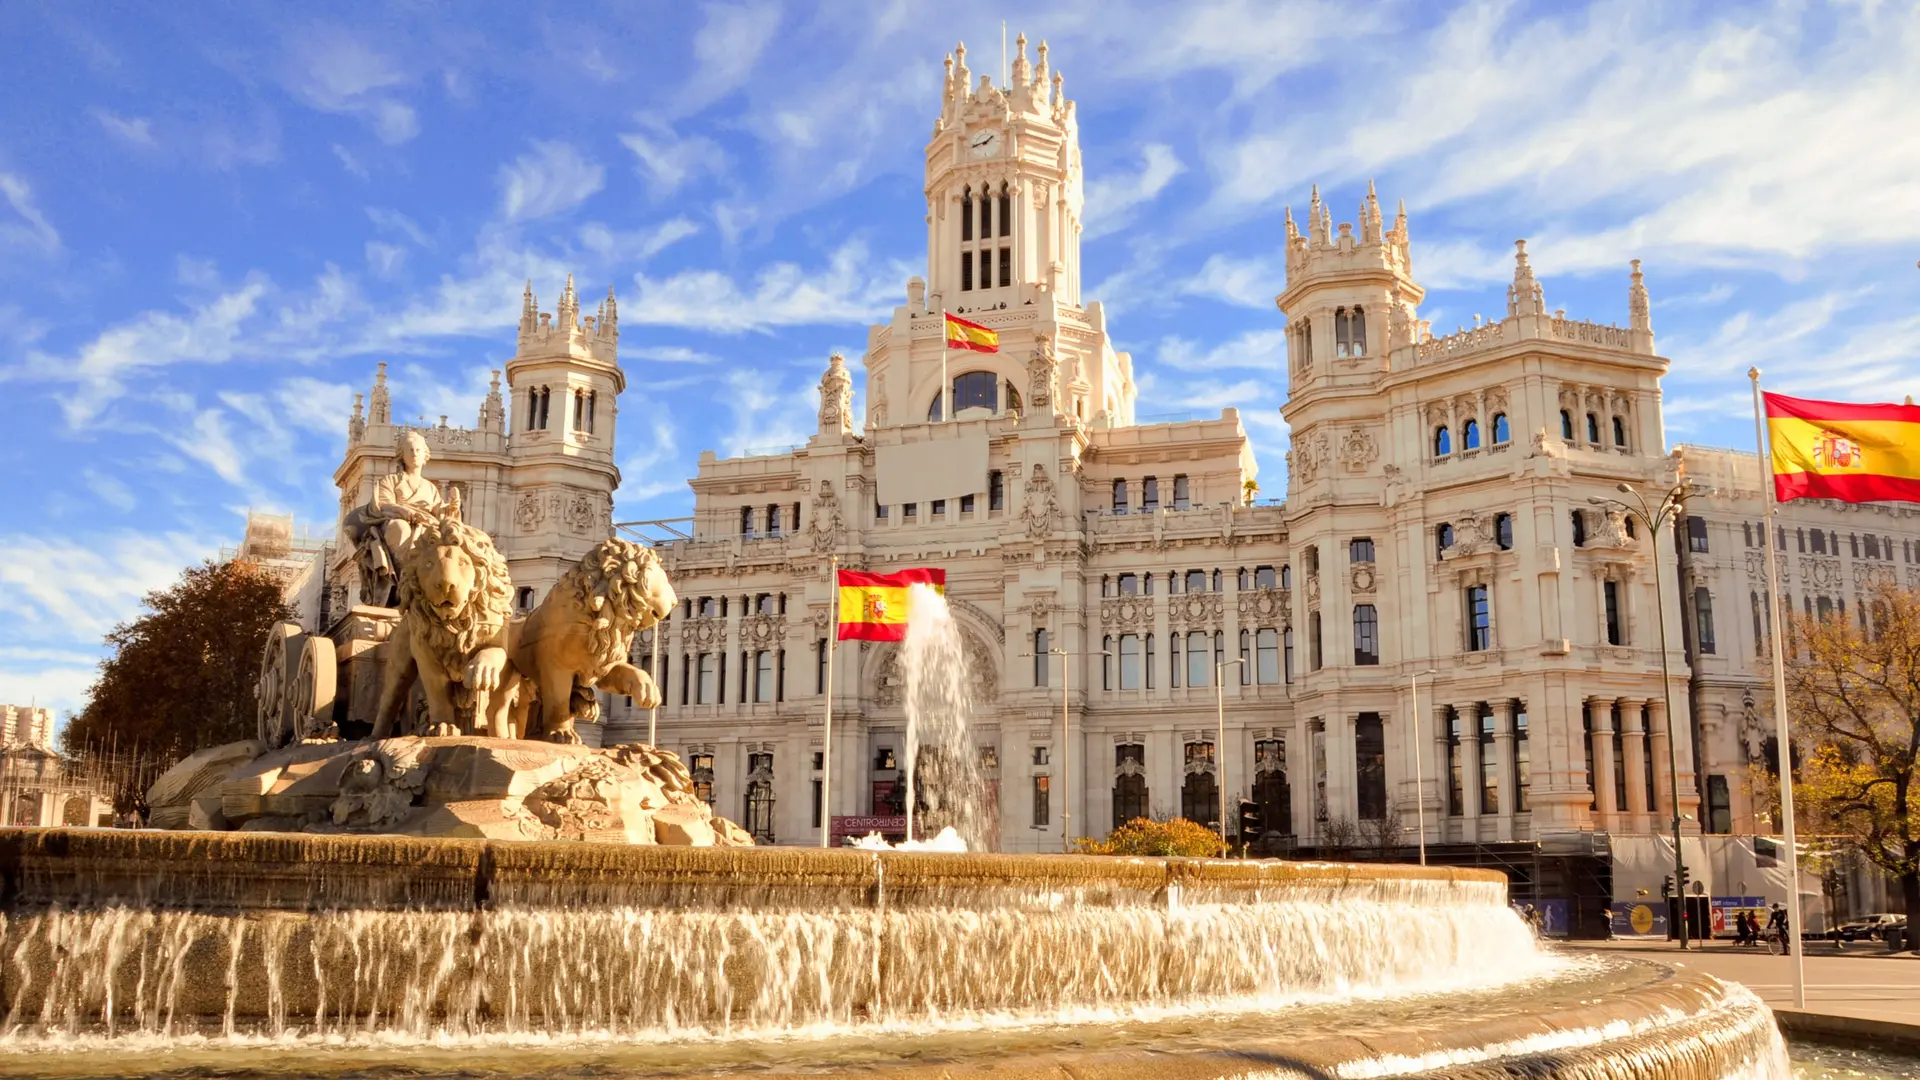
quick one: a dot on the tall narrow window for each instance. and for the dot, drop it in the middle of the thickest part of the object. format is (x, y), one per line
(1442, 442)
(1489, 765)
(1147, 665)
(1579, 528)
(1175, 659)
(1042, 811)
(1503, 531)
(1442, 539)
(1150, 494)
(1719, 806)
(1697, 534)
(1370, 766)
(986, 215)
(1522, 761)
(593, 398)
(533, 408)
(1615, 630)
(1366, 635)
(1759, 631)
(1180, 498)
(1006, 214)
(1619, 433)
(1360, 549)
(996, 491)
(966, 271)
(1313, 640)
(1006, 267)
(579, 410)
(1129, 661)
(1106, 663)
(773, 520)
(1129, 783)
(1042, 660)
(1342, 335)
(1199, 660)
(1502, 430)
(709, 680)
(763, 676)
(966, 215)
(1703, 620)
(1119, 496)
(1479, 619)
(986, 268)
(746, 523)
(1270, 789)
(1456, 787)
(1566, 425)
(820, 666)
(1470, 435)
(1267, 655)
(1358, 333)
(1593, 429)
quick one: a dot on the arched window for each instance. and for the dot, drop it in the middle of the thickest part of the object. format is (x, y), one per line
(1006, 214)
(1579, 528)
(1442, 441)
(1503, 531)
(1442, 540)
(1358, 332)
(1566, 425)
(1619, 432)
(966, 213)
(986, 213)
(1593, 429)
(971, 390)
(1470, 435)
(1502, 431)
(1129, 783)
(533, 408)
(1342, 335)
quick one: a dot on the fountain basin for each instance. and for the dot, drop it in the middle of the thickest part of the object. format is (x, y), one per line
(897, 962)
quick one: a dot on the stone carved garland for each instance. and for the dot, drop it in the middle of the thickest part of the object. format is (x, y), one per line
(1196, 610)
(1042, 510)
(1042, 368)
(1363, 577)
(1359, 449)
(826, 529)
(1309, 456)
(1266, 607)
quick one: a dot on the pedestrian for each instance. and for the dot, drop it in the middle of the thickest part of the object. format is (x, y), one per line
(1742, 928)
(1778, 921)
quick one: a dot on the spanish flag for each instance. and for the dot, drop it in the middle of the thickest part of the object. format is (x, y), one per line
(1834, 450)
(873, 607)
(962, 334)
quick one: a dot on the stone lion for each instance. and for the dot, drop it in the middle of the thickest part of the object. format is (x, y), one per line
(579, 637)
(455, 597)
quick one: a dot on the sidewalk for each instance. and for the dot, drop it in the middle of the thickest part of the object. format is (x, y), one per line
(1852, 994)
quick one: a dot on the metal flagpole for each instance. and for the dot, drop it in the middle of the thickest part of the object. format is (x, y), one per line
(946, 387)
(1781, 733)
(826, 726)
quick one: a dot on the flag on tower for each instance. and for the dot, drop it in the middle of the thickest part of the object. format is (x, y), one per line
(962, 334)
(873, 607)
(1837, 450)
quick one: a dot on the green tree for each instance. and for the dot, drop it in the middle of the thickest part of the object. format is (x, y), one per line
(181, 675)
(1854, 698)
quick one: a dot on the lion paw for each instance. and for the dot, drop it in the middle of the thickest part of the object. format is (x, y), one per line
(444, 731)
(566, 735)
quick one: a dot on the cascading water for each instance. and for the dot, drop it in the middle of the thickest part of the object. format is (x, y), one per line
(945, 787)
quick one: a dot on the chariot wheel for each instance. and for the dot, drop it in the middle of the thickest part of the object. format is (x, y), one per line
(278, 663)
(310, 698)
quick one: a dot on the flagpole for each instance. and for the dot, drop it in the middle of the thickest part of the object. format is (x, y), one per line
(826, 727)
(1782, 735)
(946, 387)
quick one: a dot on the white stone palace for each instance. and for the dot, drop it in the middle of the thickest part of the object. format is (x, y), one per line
(1439, 525)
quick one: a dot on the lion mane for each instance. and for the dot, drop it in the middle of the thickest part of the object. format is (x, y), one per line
(454, 639)
(611, 602)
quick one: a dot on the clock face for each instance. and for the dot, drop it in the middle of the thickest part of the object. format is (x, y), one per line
(984, 144)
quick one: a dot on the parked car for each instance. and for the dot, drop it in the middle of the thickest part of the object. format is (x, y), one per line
(1870, 927)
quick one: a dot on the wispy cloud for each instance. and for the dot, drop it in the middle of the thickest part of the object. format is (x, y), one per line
(135, 130)
(847, 289)
(554, 178)
(32, 230)
(667, 160)
(1112, 199)
(335, 72)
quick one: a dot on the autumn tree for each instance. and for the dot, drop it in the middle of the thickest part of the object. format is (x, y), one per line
(181, 675)
(1854, 698)
(1144, 836)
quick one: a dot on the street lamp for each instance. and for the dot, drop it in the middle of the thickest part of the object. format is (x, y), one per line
(1066, 759)
(1671, 504)
(1220, 746)
(1419, 796)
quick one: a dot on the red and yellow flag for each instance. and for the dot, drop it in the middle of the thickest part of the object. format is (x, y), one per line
(962, 334)
(873, 607)
(1835, 450)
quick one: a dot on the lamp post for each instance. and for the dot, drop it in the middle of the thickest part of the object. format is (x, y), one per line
(1220, 745)
(1670, 506)
(1066, 778)
(1419, 795)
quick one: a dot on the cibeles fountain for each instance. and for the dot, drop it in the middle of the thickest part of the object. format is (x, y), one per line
(469, 891)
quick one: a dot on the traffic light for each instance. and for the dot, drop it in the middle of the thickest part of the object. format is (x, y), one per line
(1666, 888)
(1686, 878)
(1252, 822)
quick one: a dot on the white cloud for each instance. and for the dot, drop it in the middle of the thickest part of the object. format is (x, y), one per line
(552, 179)
(351, 163)
(634, 245)
(38, 232)
(667, 160)
(1250, 282)
(782, 294)
(395, 221)
(137, 130)
(384, 259)
(727, 50)
(1261, 350)
(108, 489)
(1112, 198)
(669, 354)
(336, 73)
(77, 591)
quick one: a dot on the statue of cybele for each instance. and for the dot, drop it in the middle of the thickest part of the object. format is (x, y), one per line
(381, 530)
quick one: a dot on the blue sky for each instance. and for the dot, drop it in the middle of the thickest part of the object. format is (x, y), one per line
(214, 221)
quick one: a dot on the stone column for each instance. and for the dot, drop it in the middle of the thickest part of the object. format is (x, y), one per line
(1607, 816)
(1441, 778)
(1503, 755)
(1633, 753)
(1469, 712)
(1662, 780)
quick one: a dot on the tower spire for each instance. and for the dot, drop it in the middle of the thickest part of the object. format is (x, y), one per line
(1370, 230)
(1524, 296)
(1639, 305)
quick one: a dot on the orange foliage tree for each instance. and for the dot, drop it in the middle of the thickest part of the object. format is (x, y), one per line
(1853, 697)
(1143, 836)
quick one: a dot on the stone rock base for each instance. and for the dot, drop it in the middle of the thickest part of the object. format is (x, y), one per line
(467, 786)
